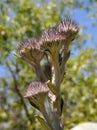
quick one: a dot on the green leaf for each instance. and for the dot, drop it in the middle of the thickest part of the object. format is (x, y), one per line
(43, 123)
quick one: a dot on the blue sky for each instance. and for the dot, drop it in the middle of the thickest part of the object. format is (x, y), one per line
(84, 20)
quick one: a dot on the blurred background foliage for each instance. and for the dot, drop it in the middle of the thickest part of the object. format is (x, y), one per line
(21, 19)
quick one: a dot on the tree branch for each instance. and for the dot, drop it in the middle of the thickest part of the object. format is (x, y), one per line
(18, 92)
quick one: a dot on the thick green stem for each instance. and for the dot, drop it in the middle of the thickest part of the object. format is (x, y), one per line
(56, 82)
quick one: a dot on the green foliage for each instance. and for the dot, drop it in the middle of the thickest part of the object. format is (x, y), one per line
(20, 19)
(79, 89)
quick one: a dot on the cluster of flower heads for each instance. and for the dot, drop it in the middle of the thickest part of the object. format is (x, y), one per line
(51, 41)
(65, 30)
(54, 43)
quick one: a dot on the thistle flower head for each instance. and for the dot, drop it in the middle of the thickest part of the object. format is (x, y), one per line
(29, 50)
(50, 40)
(36, 88)
(36, 93)
(68, 28)
(51, 35)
